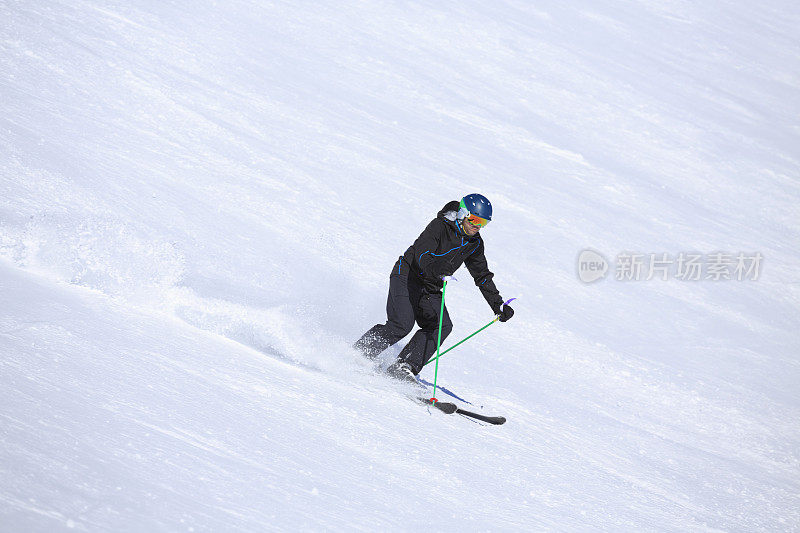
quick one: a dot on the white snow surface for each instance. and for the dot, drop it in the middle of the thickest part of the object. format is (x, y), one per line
(200, 204)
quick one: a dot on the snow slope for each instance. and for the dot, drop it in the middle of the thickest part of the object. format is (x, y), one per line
(199, 208)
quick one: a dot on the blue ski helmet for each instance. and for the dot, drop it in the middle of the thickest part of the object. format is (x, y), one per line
(477, 205)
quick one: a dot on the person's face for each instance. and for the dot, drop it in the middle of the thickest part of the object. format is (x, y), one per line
(469, 228)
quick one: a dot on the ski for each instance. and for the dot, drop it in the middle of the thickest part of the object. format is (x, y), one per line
(496, 420)
(450, 408)
(444, 390)
(445, 407)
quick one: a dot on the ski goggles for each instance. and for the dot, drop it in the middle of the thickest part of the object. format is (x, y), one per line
(475, 220)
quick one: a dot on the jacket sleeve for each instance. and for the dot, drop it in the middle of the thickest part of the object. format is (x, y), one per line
(479, 269)
(427, 243)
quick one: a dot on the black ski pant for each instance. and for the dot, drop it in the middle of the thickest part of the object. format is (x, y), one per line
(407, 303)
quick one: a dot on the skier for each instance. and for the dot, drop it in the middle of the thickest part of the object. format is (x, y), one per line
(415, 285)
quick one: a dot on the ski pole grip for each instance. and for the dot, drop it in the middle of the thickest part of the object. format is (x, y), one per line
(504, 303)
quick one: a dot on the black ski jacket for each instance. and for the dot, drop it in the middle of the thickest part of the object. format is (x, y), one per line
(441, 249)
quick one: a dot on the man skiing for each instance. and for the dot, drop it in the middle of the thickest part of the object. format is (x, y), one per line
(415, 285)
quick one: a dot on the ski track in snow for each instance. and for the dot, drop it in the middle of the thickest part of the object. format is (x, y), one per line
(199, 209)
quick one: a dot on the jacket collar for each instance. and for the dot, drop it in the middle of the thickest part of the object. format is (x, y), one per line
(456, 225)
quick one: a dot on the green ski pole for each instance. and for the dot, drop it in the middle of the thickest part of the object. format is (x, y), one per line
(439, 339)
(438, 355)
(432, 359)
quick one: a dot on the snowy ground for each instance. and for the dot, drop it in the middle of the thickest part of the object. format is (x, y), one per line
(199, 208)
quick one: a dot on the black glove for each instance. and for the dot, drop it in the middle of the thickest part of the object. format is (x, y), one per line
(505, 313)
